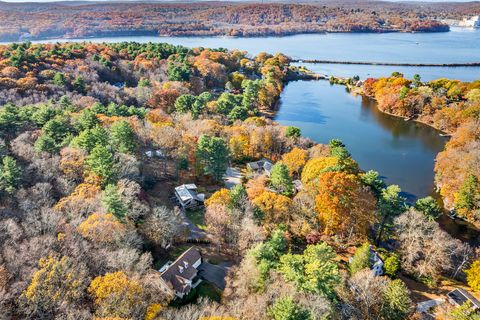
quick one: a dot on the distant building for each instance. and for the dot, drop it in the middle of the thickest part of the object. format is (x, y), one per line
(261, 166)
(473, 22)
(458, 297)
(181, 276)
(188, 197)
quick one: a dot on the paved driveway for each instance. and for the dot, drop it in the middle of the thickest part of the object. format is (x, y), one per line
(232, 177)
(213, 273)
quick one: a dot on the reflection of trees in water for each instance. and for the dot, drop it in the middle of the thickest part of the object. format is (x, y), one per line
(429, 137)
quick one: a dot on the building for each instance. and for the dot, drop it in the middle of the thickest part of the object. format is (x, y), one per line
(458, 297)
(181, 276)
(377, 262)
(260, 166)
(473, 22)
(188, 197)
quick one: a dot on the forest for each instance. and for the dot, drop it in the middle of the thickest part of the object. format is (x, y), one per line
(86, 217)
(30, 21)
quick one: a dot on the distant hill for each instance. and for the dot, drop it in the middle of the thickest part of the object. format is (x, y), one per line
(88, 19)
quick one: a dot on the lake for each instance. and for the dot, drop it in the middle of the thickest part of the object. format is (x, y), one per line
(402, 152)
(456, 46)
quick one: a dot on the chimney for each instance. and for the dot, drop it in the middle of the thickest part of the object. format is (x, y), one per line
(180, 269)
(186, 264)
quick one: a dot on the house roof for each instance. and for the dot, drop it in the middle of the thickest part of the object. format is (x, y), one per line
(186, 191)
(181, 271)
(260, 164)
(460, 296)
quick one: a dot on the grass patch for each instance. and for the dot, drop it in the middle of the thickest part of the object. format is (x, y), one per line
(206, 289)
(197, 218)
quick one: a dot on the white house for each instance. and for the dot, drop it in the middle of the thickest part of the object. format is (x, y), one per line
(377, 262)
(181, 276)
(473, 22)
(188, 197)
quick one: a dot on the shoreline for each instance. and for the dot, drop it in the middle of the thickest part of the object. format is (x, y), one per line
(146, 33)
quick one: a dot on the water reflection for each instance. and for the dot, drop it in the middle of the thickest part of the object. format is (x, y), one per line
(403, 152)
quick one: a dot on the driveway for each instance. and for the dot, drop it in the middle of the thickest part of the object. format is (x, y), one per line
(425, 306)
(213, 273)
(232, 177)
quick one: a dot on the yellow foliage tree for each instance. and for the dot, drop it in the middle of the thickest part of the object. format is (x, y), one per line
(115, 295)
(316, 166)
(473, 275)
(239, 146)
(58, 281)
(102, 228)
(221, 197)
(295, 160)
(72, 161)
(83, 197)
(275, 207)
(152, 311)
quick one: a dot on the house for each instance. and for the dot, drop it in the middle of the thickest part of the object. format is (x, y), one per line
(181, 276)
(155, 154)
(261, 166)
(473, 22)
(297, 184)
(377, 262)
(188, 197)
(458, 297)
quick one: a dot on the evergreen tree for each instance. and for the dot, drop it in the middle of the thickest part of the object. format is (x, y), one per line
(469, 194)
(390, 205)
(280, 178)
(429, 207)
(361, 259)
(213, 155)
(10, 174)
(102, 163)
(123, 137)
(112, 202)
(397, 301)
(287, 309)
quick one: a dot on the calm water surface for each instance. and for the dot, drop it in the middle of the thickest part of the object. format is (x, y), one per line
(457, 46)
(403, 152)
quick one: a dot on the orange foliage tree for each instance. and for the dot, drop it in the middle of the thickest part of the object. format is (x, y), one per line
(343, 206)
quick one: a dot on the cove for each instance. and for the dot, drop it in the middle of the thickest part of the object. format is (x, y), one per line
(403, 152)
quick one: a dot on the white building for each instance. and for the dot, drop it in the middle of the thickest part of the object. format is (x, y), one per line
(188, 197)
(473, 22)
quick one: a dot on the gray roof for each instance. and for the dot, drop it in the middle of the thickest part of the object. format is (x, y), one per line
(460, 296)
(182, 270)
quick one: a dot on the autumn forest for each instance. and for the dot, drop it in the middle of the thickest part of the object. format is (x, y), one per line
(151, 181)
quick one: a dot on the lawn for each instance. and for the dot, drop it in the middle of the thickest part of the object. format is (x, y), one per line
(197, 218)
(204, 289)
(208, 290)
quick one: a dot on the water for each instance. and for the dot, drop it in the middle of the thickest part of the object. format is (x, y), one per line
(366, 71)
(457, 46)
(403, 152)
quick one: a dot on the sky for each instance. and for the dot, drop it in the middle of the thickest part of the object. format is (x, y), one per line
(221, 0)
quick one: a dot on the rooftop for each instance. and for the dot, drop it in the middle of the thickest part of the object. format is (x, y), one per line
(181, 271)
